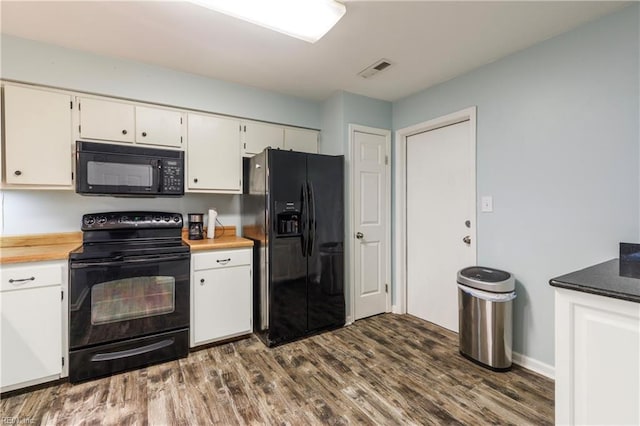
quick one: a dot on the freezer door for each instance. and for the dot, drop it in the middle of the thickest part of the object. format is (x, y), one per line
(325, 255)
(287, 245)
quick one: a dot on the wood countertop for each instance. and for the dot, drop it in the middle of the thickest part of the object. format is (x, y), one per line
(38, 247)
(43, 247)
(225, 238)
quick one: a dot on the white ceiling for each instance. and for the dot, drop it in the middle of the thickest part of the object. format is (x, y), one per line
(428, 42)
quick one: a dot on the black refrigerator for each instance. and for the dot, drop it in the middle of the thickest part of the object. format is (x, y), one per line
(293, 210)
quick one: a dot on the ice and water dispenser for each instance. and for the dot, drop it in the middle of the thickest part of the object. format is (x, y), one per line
(288, 218)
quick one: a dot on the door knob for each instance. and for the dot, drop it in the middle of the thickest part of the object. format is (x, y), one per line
(359, 235)
(467, 240)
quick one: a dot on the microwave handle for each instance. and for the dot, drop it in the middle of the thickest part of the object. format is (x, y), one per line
(159, 175)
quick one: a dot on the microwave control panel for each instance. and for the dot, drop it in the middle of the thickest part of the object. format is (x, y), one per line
(172, 177)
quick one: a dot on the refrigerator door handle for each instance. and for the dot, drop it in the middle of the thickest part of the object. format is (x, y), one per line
(312, 219)
(304, 237)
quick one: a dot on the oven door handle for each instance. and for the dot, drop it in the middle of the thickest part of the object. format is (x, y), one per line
(125, 260)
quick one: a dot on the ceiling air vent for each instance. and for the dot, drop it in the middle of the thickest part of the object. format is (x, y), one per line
(374, 69)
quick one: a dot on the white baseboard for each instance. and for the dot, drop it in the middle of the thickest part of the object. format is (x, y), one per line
(534, 365)
(395, 309)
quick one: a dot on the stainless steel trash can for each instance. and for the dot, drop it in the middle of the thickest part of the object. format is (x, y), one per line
(485, 315)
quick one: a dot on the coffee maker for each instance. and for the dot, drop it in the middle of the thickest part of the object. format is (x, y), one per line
(196, 223)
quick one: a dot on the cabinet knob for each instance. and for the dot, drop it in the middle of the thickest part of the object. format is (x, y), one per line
(201, 281)
(17, 173)
(144, 134)
(124, 132)
(195, 180)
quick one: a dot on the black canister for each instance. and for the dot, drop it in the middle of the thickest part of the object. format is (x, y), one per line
(196, 221)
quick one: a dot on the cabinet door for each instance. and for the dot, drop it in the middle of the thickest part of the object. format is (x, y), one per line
(31, 330)
(106, 120)
(258, 136)
(301, 140)
(155, 126)
(37, 137)
(222, 303)
(213, 155)
(597, 353)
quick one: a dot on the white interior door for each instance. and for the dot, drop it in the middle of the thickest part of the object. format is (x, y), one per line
(371, 222)
(440, 201)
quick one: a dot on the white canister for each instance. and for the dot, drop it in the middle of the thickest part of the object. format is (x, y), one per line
(211, 223)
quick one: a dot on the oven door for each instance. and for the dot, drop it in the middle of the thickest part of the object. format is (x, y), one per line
(120, 299)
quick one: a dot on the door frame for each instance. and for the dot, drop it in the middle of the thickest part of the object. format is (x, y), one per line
(353, 128)
(400, 191)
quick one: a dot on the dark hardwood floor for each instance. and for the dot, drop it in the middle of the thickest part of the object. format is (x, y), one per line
(388, 369)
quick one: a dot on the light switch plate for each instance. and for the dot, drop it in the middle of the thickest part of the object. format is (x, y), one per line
(486, 204)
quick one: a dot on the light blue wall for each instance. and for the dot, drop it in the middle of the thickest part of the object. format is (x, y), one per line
(46, 64)
(332, 134)
(558, 149)
(27, 212)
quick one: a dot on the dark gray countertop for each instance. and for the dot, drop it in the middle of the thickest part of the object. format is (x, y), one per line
(603, 279)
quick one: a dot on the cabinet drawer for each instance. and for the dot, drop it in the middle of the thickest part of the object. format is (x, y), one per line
(30, 276)
(221, 259)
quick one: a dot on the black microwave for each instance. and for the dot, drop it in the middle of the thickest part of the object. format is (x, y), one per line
(109, 169)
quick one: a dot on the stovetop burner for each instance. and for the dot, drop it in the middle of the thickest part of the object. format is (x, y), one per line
(119, 234)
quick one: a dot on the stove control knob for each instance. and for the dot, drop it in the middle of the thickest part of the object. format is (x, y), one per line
(102, 219)
(166, 218)
(156, 218)
(89, 220)
(124, 219)
(176, 219)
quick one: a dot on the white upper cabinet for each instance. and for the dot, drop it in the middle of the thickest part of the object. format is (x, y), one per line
(109, 120)
(106, 120)
(258, 136)
(214, 160)
(301, 140)
(156, 126)
(37, 131)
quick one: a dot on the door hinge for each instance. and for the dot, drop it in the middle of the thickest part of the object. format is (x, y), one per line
(386, 160)
(386, 288)
(63, 361)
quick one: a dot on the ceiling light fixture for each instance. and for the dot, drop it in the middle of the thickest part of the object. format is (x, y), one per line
(307, 20)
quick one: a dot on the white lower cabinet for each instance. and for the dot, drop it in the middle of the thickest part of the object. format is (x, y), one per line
(221, 301)
(597, 359)
(33, 326)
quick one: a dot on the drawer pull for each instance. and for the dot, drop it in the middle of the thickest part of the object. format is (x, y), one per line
(224, 261)
(11, 280)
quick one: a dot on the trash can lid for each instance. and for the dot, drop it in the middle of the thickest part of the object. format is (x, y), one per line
(487, 279)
